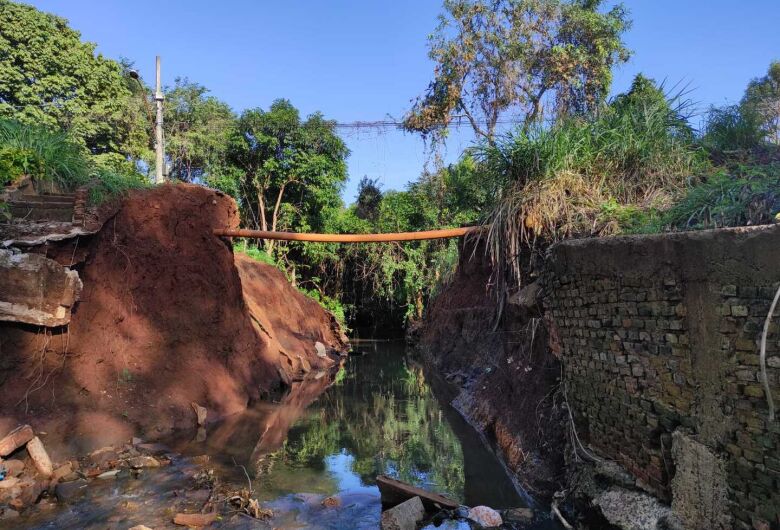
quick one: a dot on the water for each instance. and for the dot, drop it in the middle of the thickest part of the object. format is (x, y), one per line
(379, 416)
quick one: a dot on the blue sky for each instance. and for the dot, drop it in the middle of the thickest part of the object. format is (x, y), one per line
(365, 60)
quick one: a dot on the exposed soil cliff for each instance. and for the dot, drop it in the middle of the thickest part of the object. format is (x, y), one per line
(167, 316)
(507, 378)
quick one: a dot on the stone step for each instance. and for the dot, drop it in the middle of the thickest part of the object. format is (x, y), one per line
(37, 213)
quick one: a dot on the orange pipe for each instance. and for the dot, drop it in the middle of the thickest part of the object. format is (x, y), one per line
(347, 238)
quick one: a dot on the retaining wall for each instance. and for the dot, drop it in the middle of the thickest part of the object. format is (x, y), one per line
(659, 341)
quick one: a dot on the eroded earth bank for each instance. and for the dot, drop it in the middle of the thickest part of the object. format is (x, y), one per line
(166, 315)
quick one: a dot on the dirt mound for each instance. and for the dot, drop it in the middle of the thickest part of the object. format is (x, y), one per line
(165, 319)
(505, 376)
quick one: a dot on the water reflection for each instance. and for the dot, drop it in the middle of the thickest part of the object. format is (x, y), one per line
(379, 416)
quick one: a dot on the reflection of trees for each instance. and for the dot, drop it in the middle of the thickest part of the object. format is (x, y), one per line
(391, 423)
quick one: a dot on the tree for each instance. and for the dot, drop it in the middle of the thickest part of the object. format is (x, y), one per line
(292, 169)
(197, 130)
(493, 56)
(762, 100)
(49, 77)
(369, 198)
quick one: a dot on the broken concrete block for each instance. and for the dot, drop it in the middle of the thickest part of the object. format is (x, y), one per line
(36, 290)
(15, 439)
(404, 516)
(699, 488)
(40, 457)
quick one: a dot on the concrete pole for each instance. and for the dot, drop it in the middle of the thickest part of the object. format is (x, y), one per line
(159, 164)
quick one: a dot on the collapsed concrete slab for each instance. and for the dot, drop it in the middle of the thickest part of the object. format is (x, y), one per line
(36, 290)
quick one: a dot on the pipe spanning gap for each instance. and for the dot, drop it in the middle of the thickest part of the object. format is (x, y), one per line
(347, 238)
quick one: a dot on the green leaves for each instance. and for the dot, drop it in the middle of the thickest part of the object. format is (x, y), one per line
(49, 77)
(521, 55)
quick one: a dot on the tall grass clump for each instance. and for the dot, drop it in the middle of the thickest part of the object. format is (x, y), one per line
(43, 154)
(745, 195)
(592, 175)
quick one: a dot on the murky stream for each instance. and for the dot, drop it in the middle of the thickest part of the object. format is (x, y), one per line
(379, 416)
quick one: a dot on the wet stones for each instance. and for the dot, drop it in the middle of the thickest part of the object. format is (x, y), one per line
(485, 516)
(404, 516)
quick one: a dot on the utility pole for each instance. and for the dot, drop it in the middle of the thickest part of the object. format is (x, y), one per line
(159, 177)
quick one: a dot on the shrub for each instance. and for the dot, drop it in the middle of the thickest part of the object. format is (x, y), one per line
(746, 196)
(42, 154)
(731, 128)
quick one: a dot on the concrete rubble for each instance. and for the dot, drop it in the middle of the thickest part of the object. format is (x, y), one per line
(36, 290)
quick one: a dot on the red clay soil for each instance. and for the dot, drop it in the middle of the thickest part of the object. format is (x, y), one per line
(505, 375)
(167, 316)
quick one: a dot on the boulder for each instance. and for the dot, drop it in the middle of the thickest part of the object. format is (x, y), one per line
(36, 290)
(404, 516)
(16, 438)
(139, 462)
(70, 491)
(485, 516)
(13, 467)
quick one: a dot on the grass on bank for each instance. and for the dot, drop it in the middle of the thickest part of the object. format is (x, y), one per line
(51, 156)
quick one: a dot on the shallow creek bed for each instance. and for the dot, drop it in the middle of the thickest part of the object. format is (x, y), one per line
(309, 460)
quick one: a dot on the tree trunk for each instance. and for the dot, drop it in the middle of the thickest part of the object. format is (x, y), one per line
(275, 216)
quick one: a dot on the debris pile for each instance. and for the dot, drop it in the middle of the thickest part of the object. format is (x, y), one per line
(407, 507)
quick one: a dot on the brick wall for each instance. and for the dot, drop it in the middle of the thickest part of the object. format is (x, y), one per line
(660, 333)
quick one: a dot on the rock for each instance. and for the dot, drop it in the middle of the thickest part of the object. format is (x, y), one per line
(485, 516)
(140, 527)
(8, 514)
(631, 509)
(518, 515)
(61, 472)
(136, 441)
(320, 347)
(527, 297)
(13, 467)
(139, 462)
(70, 491)
(109, 474)
(404, 516)
(40, 457)
(331, 502)
(8, 483)
(194, 519)
(15, 439)
(200, 412)
(103, 456)
(153, 449)
(31, 490)
(36, 290)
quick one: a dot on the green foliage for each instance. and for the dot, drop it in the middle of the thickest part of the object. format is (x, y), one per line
(255, 253)
(74, 89)
(762, 100)
(291, 171)
(42, 154)
(106, 183)
(198, 128)
(731, 128)
(590, 176)
(329, 303)
(493, 56)
(744, 196)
